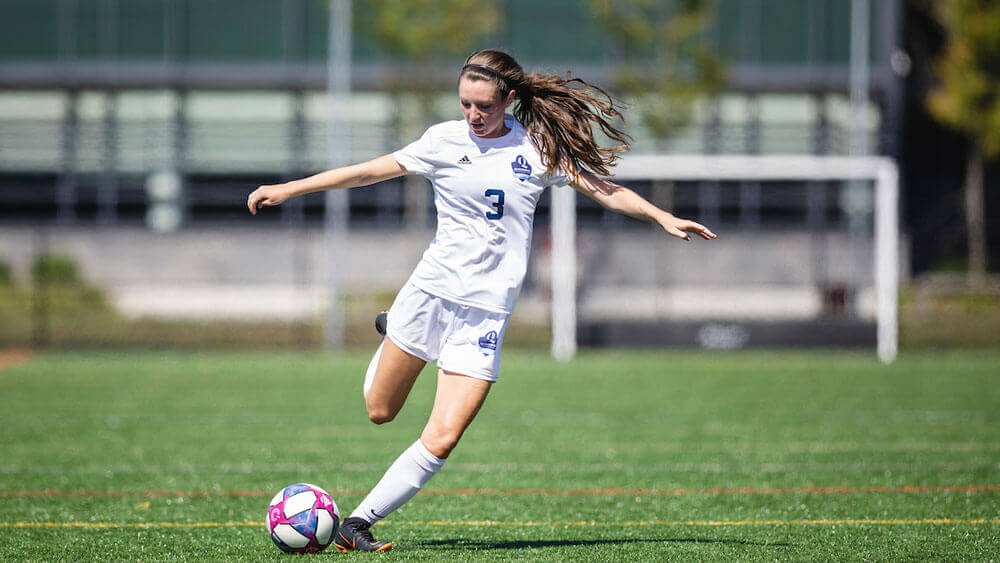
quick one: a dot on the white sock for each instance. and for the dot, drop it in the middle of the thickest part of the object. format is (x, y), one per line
(404, 478)
(372, 366)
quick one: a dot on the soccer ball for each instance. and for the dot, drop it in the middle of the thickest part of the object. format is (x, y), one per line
(302, 519)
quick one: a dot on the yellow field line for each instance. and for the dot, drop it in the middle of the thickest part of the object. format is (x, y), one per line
(127, 524)
(710, 522)
(519, 524)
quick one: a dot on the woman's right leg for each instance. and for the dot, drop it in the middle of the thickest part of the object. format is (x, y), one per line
(395, 372)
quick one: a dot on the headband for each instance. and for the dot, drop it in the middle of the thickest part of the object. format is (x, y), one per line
(487, 69)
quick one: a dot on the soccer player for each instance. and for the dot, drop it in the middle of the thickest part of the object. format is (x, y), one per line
(488, 172)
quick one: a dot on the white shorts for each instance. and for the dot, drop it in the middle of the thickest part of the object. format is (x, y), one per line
(462, 339)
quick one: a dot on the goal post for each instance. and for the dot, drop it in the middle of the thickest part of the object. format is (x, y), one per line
(881, 170)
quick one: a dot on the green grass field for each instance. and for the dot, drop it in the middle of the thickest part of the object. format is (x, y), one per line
(615, 456)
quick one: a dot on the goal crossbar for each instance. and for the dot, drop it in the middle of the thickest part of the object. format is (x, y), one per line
(881, 170)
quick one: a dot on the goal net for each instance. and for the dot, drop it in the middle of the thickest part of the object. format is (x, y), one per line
(824, 273)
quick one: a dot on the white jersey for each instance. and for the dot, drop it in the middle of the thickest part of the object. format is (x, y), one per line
(485, 191)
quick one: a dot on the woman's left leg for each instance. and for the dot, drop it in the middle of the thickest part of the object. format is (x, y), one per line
(456, 403)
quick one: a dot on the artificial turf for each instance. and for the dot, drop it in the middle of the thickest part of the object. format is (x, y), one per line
(619, 455)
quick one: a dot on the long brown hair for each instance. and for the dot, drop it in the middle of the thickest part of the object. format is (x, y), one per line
(560, 113)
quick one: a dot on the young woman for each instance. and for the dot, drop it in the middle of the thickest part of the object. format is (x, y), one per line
(488, 172)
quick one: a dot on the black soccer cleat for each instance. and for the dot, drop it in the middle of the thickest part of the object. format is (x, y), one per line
(381, 321)
(354, 535)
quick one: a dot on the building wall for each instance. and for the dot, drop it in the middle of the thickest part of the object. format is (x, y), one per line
(279, 273)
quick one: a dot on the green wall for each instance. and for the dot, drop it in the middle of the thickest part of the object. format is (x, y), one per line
(255, 31)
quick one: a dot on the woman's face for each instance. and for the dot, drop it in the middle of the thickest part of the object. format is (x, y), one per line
(483, 107)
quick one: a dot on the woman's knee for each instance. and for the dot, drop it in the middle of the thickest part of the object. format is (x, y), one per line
(442, 441)
(379, 412)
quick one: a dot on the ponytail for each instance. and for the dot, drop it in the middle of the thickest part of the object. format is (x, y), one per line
(563, 118)
(559, 113)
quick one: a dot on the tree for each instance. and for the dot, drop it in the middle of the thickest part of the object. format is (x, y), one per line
(666, 66)
(418, 35)
(967, 98)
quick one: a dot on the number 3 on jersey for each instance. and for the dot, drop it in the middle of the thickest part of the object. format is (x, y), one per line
(498, 204)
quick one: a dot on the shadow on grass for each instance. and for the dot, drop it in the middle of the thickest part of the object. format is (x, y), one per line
(522, 544)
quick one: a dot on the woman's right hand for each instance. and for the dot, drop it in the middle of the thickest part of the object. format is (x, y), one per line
(265, 196)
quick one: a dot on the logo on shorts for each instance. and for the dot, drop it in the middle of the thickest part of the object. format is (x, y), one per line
(489, 341)
(522, 170)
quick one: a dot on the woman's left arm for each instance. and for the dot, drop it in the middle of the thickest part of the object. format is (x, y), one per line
(623, 200)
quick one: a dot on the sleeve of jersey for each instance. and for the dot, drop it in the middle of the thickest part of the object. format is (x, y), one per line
(557, 178)
(417, 157)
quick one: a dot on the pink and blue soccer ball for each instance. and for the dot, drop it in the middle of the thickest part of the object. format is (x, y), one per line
(302, 518)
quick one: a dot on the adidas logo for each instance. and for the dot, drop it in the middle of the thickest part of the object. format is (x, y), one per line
(465, 160)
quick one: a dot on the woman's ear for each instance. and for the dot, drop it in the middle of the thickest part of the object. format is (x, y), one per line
(510, 98)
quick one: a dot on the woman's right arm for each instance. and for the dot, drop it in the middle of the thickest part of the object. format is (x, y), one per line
(381, 168)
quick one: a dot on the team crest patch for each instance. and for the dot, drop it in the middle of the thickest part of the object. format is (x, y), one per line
(522, 170)
(488, 341)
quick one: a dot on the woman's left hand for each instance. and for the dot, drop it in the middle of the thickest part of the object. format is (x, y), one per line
(681, 228)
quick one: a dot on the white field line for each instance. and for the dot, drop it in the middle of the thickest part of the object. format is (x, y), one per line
(546, 468)
(615, 491)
